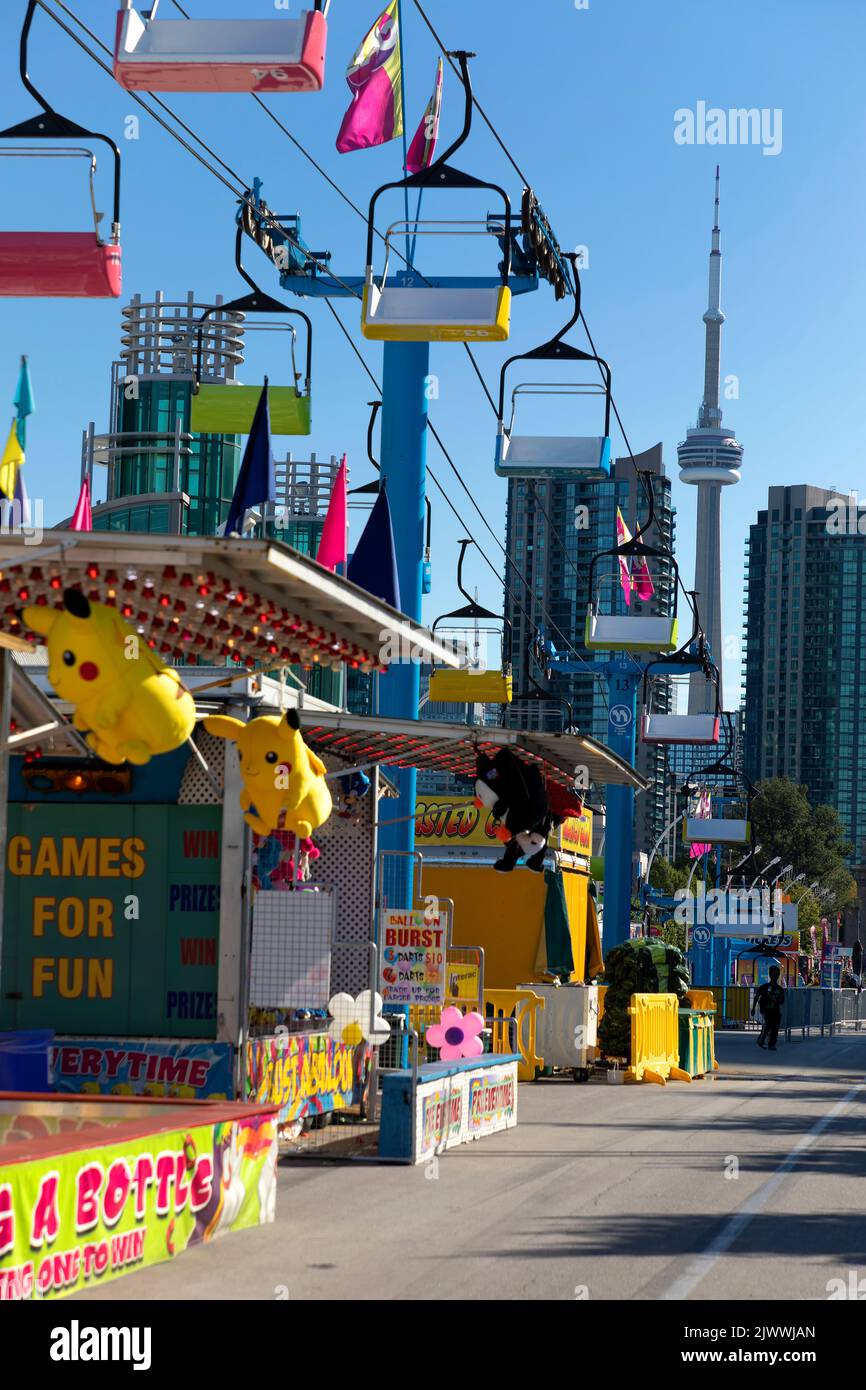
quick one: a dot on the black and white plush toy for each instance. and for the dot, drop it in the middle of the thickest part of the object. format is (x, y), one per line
(515, 793)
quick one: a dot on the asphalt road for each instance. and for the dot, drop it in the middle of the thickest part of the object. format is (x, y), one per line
(743, 1187)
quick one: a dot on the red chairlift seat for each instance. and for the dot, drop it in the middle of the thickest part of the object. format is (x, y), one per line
(59, 264)
(220, 55)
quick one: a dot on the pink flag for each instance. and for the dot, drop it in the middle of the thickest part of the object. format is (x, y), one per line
(82, 517)
(623, 534)
(703, 811)
(423, 146)
(333, 550)
(641, 579)
(376, 113)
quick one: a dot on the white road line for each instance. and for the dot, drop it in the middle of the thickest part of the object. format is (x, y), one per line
(687, 1282)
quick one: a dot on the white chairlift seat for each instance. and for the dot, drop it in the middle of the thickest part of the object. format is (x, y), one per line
(696, 729)
(436, 314)
(630, 632)
(549, 456)
(520, 455)
(220, 55)
(716, 831)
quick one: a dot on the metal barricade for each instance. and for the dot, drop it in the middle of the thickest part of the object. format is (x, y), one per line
(733, 1006)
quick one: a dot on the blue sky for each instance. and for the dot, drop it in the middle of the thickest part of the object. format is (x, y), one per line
(586, 100)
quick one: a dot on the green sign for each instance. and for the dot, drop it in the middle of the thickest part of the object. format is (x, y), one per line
(111, 921)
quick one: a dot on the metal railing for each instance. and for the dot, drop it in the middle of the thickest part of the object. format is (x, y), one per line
(807, 1012)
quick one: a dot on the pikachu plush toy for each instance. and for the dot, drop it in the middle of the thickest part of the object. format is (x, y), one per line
(127, 702)
(284, 782)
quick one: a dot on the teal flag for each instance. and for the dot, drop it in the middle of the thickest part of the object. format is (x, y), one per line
(23, 401)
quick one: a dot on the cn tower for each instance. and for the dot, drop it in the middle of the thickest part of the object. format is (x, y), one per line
(710, 458)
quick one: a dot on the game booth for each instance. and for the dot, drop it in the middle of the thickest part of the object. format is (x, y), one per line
(150, 1055)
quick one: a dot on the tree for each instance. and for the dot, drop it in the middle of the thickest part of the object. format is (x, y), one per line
(667, 877)
(811, 838)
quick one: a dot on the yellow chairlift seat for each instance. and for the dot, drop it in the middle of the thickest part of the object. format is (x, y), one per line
(472, 686)
(432, 314)
(409, 308)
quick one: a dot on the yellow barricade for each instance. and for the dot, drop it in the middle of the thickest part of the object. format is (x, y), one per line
(655, 1045)
(699, 999)
(422, 1016)
(602, 991)
(500, 1006)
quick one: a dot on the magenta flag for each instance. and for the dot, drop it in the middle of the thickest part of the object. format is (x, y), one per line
(703, 812)
(641, 579)
(423, 146)
(623, 535)
(82, 517)
(376, 113)
(333, 549)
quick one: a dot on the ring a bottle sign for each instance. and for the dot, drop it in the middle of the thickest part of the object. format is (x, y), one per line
(413, 945)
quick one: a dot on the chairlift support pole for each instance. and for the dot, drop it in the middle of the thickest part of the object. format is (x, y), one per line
(405, 373)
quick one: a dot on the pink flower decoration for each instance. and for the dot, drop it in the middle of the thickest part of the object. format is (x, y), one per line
(456, 1035)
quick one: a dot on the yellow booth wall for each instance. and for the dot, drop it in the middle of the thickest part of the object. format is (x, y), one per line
(504, 914)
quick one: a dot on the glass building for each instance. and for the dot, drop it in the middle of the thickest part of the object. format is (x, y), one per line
(804, 682)
(553, 530)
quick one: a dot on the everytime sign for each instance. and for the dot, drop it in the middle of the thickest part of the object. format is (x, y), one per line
(412, 949)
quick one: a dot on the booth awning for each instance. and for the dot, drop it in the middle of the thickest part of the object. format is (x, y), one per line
(203, 599)
(36, 721)
(431, 746)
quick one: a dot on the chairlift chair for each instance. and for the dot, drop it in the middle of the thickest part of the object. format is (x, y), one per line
(537, 650)
(696, 730)
(552, 456)
(466, 686)
(410, 309)
(631, 632)
(59, 265)
(723, 830)
(227, 407)
(220, 55)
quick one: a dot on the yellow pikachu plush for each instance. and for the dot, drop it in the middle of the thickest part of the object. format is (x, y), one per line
(284, 782)
(128, 702)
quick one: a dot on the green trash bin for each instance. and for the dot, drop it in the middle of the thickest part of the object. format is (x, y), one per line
(695, 1041)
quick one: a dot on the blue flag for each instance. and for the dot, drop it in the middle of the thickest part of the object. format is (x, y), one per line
(22, 498)
(373, 565)
(256, 482)
(23, 401)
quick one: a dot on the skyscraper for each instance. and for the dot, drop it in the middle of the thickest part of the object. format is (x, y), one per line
(553, 529)
(710, 459)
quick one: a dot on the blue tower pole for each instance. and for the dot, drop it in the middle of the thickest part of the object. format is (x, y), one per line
(405, 377)
(623, 677)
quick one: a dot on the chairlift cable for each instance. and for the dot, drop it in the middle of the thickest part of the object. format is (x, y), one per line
(139, 100)
(515, 600)
(241, 192)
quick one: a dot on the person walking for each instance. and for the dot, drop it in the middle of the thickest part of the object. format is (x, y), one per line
(770, 998)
